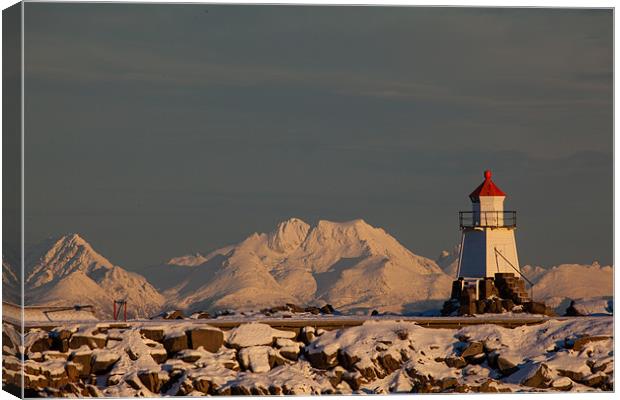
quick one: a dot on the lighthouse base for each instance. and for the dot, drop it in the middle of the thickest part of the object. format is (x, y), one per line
(502, 293)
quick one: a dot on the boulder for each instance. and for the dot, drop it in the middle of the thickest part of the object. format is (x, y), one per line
(103, 361)
(472, 349)
(211, 339)
(92, 341)
(156, 334)
(255, 359)
(202, 384)
(150, 379)
(580, 343)
(534, 307)
(537, 376)
(562, 384)
(175, 342)
(324, 357)
(506, 365)
(455, 362)
(328, 309)
(83, 360)
(307, 334)
(595, 380)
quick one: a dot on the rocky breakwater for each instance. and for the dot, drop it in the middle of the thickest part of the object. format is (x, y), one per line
(194, 359)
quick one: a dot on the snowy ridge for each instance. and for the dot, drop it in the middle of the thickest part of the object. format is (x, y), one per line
(68, 271)
(350, 265)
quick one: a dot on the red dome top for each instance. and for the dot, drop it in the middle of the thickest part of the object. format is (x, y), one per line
(486, 188)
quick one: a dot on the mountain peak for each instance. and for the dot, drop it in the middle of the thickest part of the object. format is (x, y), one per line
(288, 235)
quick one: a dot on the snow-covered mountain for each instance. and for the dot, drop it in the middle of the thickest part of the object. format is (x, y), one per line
(448, 261)
(560, 284)
(68, 271)
(350, 265)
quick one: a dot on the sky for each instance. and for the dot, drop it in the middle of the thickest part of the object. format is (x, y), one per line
(160, 130)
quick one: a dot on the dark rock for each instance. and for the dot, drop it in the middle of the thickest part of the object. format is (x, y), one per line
(595, 380)
(175, 343)
(534, 307)
(455, 362)
(374, 313)
(328, 309)
(295, 308)
(448, 383)
(539, 377)
(40, 345)
(572, 311)
(150, 379)
(202, 384)
(307, 334)
(312, 310)
(473, 349)
(211, 339)
(156, 334)
(93, 342)
(347, 360)
(505, 366)
(176, 314)
(102, 362)
(83, 360)
(321, 359)
(508, 304)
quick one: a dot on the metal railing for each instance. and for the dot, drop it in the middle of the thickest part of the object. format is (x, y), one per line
(487, 219)
(516, 269)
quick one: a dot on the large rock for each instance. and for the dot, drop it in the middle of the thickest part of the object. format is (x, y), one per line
(537, 376)
(83, 360)
(472, 349)
(211, 339)
(322, 357)
(92, 341)
(155, 333)
(506, 365)
(175, 342)
(583, 341)
(150, 379)
(103, 360)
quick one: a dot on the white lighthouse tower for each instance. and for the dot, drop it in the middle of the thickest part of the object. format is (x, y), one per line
(488, 242)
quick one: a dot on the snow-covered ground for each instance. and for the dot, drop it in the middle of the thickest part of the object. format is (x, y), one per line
(376, 357)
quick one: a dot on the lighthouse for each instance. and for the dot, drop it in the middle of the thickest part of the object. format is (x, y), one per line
(488, 234)
(489, 279)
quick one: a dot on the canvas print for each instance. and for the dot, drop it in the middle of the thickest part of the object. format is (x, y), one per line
(212, 199)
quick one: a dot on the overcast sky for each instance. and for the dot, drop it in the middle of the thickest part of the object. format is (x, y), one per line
(159, 130)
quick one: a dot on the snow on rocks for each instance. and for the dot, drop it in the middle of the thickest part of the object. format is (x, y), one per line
(256, 334)
(377, 357)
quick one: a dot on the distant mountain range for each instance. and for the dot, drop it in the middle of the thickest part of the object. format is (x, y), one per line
(351, 265)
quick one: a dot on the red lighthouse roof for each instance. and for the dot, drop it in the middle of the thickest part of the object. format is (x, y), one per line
(486, 188)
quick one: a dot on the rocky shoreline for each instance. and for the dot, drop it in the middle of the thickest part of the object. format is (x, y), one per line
(195, 359)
